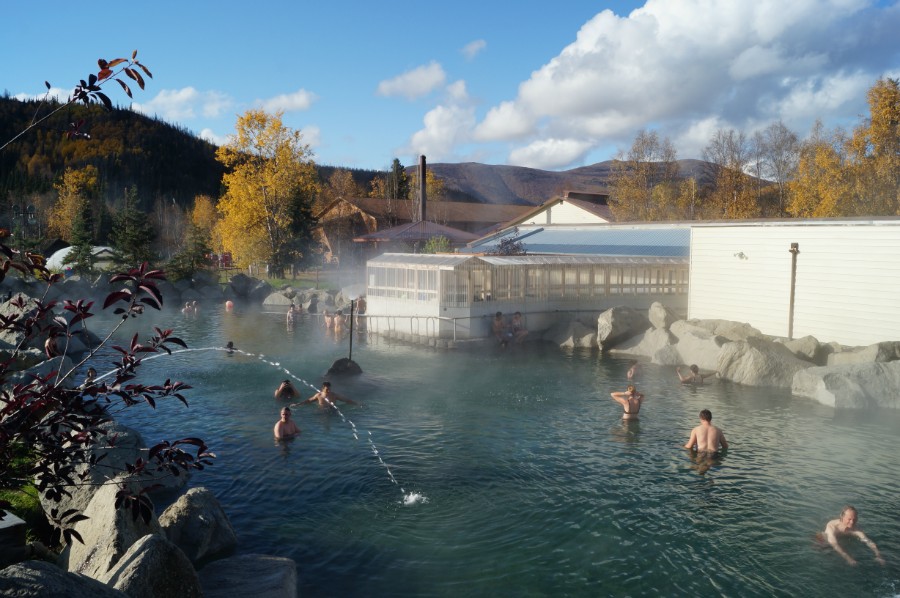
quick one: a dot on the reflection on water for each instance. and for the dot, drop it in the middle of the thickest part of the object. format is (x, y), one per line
(519, 475)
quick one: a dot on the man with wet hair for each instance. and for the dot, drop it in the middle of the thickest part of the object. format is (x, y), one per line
(286, 390)
(706, 438)
(846, 526)
(326, 397)
(285, 427)
(630, 400)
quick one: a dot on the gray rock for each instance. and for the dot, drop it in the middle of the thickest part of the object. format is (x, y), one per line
(241, 285)
(211, 293)
(697, 345)
(572, 334)
(190, 295)
(259, 291)
(667, 356)
(108, 533)
(183, 285)
(807, 348)
(619, 323)
(57, 364)
(197, 524)
(852, 386)
(154, 568)
(646, 344)
(879, 352)
(759, 362)
(733, 331)
(661, 316)
(205, 278)
(254, 575)
(277, 299)
(38, 579)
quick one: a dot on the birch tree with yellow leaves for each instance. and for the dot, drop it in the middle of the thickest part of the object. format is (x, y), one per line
(270, 185)
(644, 183)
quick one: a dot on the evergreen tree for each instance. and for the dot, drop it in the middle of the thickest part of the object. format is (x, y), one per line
(81, 255)
(132, 234)
(193, 257)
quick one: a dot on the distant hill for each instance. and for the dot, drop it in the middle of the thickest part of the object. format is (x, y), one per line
(165, 161)
(483, 183)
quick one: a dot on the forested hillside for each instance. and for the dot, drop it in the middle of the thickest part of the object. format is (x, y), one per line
(128, 149)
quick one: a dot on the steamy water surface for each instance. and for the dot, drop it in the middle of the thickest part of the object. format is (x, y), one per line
(515, 475)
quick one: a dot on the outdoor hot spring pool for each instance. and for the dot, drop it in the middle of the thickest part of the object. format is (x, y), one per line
(515, 475)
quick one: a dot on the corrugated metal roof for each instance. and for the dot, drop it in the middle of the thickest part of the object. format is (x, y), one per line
(595, 240)
(440, 260)
(575, 260)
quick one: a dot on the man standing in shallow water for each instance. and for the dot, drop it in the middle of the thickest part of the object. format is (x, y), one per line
(326, 398)
(706, 438)
(846, 526)
(285, 427)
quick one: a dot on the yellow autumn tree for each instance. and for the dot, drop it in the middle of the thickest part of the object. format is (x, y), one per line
(205, 217)
(822, 186)
(643, 183)
(270, 184)
(873, 153)
(434, 195)
(76, 187)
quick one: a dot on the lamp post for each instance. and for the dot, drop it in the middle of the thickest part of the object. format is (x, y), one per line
(27, 214)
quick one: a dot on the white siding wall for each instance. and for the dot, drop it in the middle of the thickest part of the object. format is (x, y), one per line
(564, 213)
(848, 279)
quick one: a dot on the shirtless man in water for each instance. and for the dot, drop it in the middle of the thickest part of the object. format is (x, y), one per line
(706, 438)
(285, 427)
(846, 526)
(326, 398)
(695, 377)
(630, 400)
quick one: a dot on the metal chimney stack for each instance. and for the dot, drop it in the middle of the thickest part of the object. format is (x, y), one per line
(422, 189)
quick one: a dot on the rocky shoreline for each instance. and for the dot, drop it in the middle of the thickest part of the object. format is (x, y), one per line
(829, 373)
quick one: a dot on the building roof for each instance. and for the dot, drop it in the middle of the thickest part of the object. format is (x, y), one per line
(418, 231)
(599, 239)
(447, 211)
(597, 208)
(448, 261)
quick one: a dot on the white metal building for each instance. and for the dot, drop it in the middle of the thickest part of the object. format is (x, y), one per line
(574, 269)
(846, 287)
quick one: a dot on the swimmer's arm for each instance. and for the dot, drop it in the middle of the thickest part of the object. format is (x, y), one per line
(619, 398)
(722, 441)
(682, 378)
(693, 441)
(832, 540)
(340, 398)
(865, 540)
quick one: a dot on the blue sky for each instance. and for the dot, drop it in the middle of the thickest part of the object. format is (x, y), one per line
(551, 85)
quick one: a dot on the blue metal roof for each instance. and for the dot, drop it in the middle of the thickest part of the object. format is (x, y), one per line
(594, 240)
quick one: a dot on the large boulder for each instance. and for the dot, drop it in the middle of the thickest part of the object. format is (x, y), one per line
(154, 568)
(879, 352)
(119, 446)
(241, 285)
(661, 316)
(108, 533)
(197, 524)
(570, 334)
(809, 349)
(619, 323)
(277, 299)
(38, 579)
(696, 345)
(853, 386)
(211, 293)
(759, 362)
(733, 331)
(259, 291)
(254, 575)
(43, 368)
(646, 344)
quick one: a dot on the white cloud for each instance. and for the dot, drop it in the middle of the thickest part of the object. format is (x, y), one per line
(506, 121)
(549, 154)
(676, 67)
(212, 137)
(473, 48)
(185, 104)
(445, 127)
(58, 94)
(312, 136)
(290, 102)
(416, 83)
